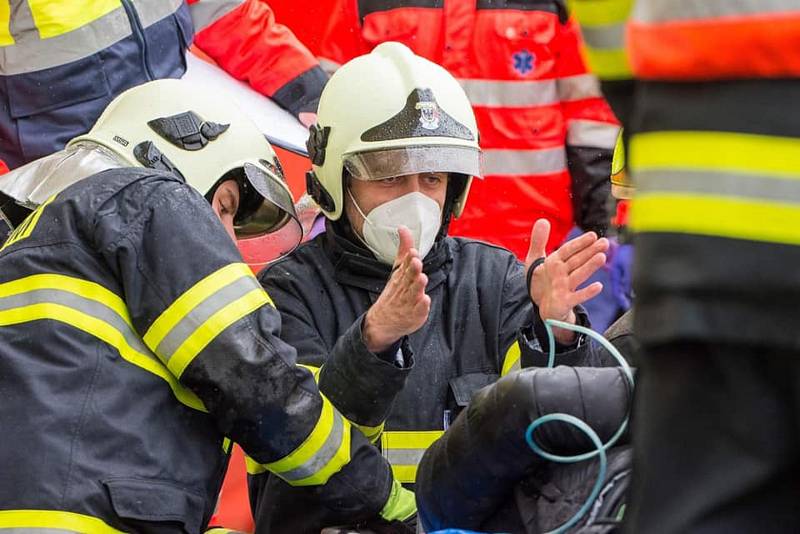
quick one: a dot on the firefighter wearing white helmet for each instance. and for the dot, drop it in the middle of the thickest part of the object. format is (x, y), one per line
(406, 324)
(419, 121)
(136, 344)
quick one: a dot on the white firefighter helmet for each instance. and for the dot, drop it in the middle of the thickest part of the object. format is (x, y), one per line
(175, 126)
(390, 113)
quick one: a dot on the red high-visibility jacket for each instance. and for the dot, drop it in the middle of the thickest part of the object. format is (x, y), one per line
(546, 131)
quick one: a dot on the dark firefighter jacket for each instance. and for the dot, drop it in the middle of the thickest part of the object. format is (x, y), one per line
(483, 476)
(134, 346)
(480, 327)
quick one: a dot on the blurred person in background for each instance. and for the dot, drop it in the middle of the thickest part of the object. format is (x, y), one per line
(547, 134)
(64, 61)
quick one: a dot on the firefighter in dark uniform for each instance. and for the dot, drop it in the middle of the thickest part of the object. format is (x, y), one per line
(402, 326)
(136, 345)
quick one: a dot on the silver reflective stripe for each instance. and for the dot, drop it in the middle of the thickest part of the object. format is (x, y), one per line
(404, 456)
(524, 162)
(499, 93)
(202, 312)
(30, 53)
(728, 183)
(582, 132)
(151, 11)
(328, 65)
(322, 457)
(606, 37)
(667, 10)
(207, 12)
(578, 87)
(90, 307)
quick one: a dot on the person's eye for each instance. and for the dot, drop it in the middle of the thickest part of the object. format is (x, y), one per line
(433, 179)
(394, 180)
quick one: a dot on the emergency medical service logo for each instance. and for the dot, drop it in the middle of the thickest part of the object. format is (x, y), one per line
(428, 114)
(523, 61)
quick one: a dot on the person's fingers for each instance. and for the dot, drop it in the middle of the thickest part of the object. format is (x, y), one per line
(540, 233)
(568, 249)
(582, 256)
(406, 243)
(587, 293)
(582, 273)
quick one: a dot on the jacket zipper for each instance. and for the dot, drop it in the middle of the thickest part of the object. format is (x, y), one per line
(138, 31)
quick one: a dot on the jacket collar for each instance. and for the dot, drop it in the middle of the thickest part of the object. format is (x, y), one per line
(354, 265)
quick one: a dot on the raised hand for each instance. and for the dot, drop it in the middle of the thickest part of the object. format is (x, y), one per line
(555, 282)
(402, 307)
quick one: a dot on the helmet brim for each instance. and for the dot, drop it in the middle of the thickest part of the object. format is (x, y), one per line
(402, 161)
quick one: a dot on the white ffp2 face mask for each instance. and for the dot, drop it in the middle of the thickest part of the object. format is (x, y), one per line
(417, 212)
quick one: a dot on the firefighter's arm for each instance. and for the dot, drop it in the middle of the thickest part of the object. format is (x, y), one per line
(592, 131)
(203, 314)
(243, 37)
(361, 384)
(467, 475)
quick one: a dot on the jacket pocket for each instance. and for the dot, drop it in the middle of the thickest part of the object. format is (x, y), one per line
(517, 44)
(464, 387)
(399, 25)
(58, 87)
(155, 506)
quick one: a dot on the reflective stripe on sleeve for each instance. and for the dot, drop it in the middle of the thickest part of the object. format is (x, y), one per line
(588, 133)
(207, 12)
(722, 184)
(57, 18)
(504, 93)
(669, 10)
(511, 362)
(605, 37)
(51, 522)
(88, 307)
(203, 312)
(323, 454)
(524, 162)
(404, 450)
(578, 87)
(600, 12)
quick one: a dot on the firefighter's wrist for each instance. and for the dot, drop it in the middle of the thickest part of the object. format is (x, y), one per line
(562, 335)
(377, 338)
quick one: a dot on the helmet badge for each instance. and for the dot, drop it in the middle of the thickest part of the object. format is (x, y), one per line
(428, 115)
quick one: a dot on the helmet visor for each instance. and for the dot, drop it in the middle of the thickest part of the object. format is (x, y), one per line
(382, 164)
(267, 215)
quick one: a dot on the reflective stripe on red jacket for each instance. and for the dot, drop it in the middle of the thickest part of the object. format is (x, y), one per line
(545, 128)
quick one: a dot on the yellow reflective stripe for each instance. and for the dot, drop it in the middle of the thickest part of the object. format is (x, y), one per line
(404, 450)
(731, 217)
(608, 64)
(253, 467)
(77, 286)
(311, 447)
(52, 519)
(5, 23)
(184, 304)
(56, 17)
(87, 323)
(215, 325)
(511, 362)
(104, 332)
(601, 12)
(227, 444)
(372, 433)
(719, 151)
